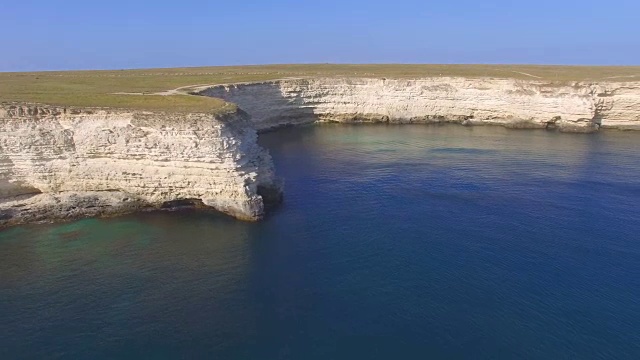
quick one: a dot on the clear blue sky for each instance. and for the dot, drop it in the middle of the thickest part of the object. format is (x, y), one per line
(72, 34)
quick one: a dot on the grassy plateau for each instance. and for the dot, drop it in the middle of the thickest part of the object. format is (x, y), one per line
(166, 89)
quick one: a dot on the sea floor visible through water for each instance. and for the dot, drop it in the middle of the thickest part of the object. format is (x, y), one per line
(393, 242)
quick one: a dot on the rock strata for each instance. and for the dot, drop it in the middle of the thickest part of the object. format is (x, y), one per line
(64, 163)
(58, 163)
(570, 107)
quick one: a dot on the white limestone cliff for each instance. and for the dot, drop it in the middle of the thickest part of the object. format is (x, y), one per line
(575, 107)
(59, 163)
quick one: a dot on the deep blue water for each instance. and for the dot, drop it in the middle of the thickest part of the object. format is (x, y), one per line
(394, 242)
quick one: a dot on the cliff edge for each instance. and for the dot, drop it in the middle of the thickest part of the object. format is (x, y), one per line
(62, 163)
(569, 106)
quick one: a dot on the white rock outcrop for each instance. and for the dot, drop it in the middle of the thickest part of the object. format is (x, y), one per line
(60, 163)
(578, 106)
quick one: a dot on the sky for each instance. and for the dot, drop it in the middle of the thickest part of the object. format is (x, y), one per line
(116, 34)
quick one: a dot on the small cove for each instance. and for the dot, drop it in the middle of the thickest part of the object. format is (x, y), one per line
(393, 241)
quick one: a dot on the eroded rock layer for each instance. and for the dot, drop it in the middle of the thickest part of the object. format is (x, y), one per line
(60, 163)
(576, 107)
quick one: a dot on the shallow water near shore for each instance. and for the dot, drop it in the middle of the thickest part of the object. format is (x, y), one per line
(393, 242)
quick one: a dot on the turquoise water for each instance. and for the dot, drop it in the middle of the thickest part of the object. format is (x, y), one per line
(393, 242)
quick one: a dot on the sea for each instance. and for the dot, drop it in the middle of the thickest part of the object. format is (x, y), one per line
(393, 242)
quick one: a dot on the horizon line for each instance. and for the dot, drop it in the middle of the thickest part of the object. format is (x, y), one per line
(318, 63)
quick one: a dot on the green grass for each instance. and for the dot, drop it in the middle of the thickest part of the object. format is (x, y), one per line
(99, 88)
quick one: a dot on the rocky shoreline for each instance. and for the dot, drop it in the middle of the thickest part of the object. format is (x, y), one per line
(569, 107)
(64, 163)
(58, 164)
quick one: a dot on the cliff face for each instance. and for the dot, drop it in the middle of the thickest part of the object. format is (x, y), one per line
(578, 107)
(60, 163)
